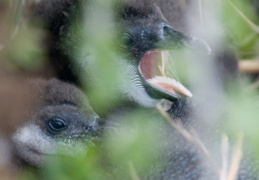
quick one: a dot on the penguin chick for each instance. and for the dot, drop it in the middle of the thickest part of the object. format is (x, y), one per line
(58, 116)
(142, 33)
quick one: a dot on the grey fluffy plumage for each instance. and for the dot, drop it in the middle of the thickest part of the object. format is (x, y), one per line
(184, 161)
(54, 114)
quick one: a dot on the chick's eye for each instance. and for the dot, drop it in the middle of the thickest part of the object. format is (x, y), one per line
(57, 124)
(126, 40)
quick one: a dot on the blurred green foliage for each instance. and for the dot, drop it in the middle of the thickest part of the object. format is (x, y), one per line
(21, 45)
(242, 98)
(98, 40)
(240, 34)
(135, 141)
(26, 51)
(133, 144)
(242, 113)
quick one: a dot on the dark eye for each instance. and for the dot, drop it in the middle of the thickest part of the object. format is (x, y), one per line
(57, 124)
(126, 40)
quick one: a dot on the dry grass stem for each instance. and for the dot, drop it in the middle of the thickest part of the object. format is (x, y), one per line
(189, 136)
(248, 66)
(201, 12)
(18, 17)
(196, 140)
(133, 172)
(251, 25)
(236, 158)
(174, 125)
(224, 153)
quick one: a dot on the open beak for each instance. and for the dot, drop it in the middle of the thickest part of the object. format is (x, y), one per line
(152, 66)
(158, 84)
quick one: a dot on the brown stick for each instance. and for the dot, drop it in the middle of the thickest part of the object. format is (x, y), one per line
(236, 158)
(133, 172)
(250, 24)
(224, 156)
(189, 136)
(248, 66)
(201, 12)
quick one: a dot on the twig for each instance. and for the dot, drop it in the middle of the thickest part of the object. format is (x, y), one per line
(180, 130)
(224, 153)
(191, 137)
(248, 66)
(252, 25)
(236, 158)
(201, 12)
(17, 19)
(199, 143)
(133, 173)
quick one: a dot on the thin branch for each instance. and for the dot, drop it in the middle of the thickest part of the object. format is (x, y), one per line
(179, 129)
(199, 143)
(252, 25)
(201, 12)
(236, 158)
(224, 153)
(133, 172)
(189, 136)
(248, 66)
(18, 18)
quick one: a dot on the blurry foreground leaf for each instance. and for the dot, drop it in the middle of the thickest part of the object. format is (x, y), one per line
(25, 51)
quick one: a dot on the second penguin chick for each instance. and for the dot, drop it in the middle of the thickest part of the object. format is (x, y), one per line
(56, 115)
